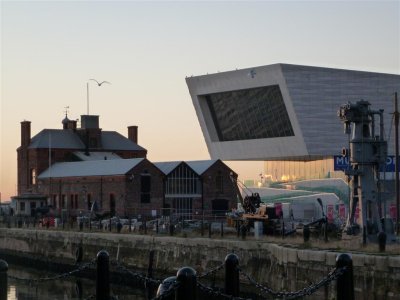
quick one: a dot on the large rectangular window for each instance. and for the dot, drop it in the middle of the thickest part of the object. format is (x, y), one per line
(255, 113)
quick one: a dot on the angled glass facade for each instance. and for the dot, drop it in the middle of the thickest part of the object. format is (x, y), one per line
(255, 113)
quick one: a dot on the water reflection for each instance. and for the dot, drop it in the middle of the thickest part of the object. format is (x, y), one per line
(63, 289)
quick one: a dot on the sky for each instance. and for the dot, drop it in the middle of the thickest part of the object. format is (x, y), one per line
(145, 49)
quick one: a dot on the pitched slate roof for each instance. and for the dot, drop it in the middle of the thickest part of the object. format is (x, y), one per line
(68, 139)
(167, 166)
(198, 166)
(91, 168)
(112, 140)
(56, 139)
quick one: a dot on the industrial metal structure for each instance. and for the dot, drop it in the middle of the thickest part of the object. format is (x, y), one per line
(368, 152)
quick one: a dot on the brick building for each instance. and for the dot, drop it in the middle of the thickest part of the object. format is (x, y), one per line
(197, 187)
(89, 142)
(75, 170)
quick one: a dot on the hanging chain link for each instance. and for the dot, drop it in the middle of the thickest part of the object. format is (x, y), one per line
(333, 275)
(215, 293)
(136, 275)
(55, 277)
(211, 272)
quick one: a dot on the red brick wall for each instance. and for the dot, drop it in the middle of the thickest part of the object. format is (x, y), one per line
(126, 191)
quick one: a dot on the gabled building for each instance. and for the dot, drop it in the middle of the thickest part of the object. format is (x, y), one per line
(70, 143)
(198, 187)
(120, 186)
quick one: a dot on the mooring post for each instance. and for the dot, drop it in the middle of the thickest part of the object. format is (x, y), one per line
(157, 226)
(243, 230)
(103, 276)
(150, 267)
(149, 290)
(3, 279)
(306, 233)
(186, 278)
(325, 229)
(382, 241)
(344, 284)
(165, 286)
(232, 275)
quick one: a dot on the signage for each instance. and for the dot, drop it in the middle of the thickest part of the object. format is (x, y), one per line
(341, 163)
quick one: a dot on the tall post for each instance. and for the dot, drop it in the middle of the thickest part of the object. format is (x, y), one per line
(87, 97)
(232, 275)
(103, 276)
(186, 278)
(396, 130)
(3, 279)
(344, 284)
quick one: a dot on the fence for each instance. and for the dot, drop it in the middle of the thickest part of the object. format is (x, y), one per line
(187, 283)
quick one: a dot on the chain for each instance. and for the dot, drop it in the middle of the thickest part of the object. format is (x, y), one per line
(59, 276)
(211, 272)
(333, 275)
(211, 292)
(136, 275)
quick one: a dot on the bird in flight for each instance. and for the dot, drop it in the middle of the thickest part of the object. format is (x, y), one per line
(100, 83)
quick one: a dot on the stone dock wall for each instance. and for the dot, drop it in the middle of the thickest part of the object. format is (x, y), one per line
(280, 266)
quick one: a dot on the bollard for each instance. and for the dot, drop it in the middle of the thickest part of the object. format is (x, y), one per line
(3, 279)
(151, 262)
(209, 230)
(186, 278)
(232, 275)
(306, 233)
(243, 230)
(103, 276)
(78, 255)
(364, 236)
(119, 227)
(171, 229)
(344, 284)
(382, 241)
(165, 286)
(222, 229)
(324, 228)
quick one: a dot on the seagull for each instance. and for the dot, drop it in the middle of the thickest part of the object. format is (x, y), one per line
(100, 83)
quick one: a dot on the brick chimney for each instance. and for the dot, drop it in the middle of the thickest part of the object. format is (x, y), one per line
(25, 133)
(133, 133)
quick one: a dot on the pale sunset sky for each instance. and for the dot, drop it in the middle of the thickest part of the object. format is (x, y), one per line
(49, 50)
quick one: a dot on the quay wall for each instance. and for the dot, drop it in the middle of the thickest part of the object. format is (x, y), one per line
(281, 267)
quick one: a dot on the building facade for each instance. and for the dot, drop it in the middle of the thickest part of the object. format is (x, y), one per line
(75, 172)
